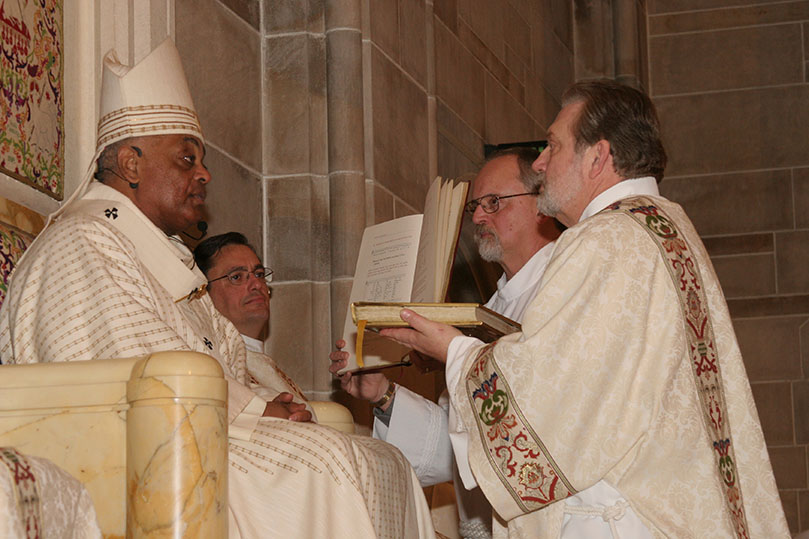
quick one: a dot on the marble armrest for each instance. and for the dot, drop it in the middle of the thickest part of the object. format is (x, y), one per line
(146, 436)
(334, 415)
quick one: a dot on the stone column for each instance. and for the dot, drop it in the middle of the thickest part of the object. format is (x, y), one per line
(347, 203)
(593, 39)
(628, 51)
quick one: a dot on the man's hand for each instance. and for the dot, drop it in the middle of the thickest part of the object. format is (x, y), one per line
(370, 386)
(283, 407)
(430, 338)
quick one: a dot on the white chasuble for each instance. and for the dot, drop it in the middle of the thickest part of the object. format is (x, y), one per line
(103, 282)
(599, 387)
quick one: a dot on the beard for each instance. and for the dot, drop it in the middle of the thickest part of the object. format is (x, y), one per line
(489, 246)
(553, 197)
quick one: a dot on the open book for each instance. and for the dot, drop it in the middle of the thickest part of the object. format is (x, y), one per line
(472, 319)
(405, 260)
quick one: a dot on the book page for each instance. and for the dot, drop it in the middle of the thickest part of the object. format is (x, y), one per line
(441, 231)
(456, 200)
(425, 276)
(385, 268)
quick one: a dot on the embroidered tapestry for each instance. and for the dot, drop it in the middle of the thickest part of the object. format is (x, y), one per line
(31, 108)
(13, 244)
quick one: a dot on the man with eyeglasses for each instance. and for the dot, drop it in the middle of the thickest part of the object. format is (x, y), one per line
(510, 232)
(623, 408)
(238, 284)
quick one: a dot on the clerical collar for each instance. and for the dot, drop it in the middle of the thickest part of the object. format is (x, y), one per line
(621, 190)
(254, 345)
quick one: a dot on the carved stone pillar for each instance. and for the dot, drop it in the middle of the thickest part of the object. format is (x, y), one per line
(610, 40)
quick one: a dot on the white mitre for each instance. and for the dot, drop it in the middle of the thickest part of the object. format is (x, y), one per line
(150, 98)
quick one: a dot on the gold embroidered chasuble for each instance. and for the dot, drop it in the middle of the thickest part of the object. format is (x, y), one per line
(88, 288)
(599, 386)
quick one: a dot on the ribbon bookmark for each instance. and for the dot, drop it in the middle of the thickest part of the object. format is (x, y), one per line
(360, 334)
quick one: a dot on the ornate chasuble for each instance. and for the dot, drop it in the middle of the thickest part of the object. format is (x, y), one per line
(687, 279)
(525, 466)
(516, 453)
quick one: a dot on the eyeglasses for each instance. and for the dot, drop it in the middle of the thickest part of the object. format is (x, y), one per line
(489, 203)
(240, 277)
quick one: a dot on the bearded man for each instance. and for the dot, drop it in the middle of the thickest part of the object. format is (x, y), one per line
(109, 278)
(510, 232)
(623, 407)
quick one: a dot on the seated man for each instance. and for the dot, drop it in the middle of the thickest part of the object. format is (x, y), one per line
(109, 278)
(237, 284)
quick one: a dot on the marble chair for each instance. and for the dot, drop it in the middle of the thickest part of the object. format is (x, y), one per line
(146, 436)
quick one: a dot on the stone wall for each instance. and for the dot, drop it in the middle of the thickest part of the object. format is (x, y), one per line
(441, 79)
(324, 116)
(730, 83)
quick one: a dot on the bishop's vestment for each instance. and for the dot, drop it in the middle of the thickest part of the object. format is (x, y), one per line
(103, 282)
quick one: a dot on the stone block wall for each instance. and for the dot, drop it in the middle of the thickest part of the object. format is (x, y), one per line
(324, 116)
(224, 74)
(730, 82)
(440, 79)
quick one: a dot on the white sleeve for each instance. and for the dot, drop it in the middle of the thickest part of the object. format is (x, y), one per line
(418, 427)
(244, 424)
(458, 348)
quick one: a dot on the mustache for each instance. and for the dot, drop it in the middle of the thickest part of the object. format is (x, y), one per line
(537, 180)
(480, 229)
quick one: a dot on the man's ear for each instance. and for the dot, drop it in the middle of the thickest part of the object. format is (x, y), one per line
(598, 158)
(128, 163)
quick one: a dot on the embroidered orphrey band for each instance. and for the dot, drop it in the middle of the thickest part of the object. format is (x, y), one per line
(26, 493)
(516, 453)
(685, 274)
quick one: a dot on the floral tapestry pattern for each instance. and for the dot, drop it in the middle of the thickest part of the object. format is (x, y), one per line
(31, 107)
(13, 244)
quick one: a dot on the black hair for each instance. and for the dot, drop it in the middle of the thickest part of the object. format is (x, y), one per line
(205, 252)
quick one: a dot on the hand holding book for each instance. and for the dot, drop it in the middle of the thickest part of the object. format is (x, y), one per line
(405, 263)
(407, 259)
(425, 336)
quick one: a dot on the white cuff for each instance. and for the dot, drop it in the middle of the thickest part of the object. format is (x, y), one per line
(459, 347)
(245, 423)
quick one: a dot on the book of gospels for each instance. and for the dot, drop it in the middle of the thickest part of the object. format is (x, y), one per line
(403, 261)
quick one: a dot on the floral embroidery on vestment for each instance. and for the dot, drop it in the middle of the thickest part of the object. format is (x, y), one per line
(515, 452)
(687, 281)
